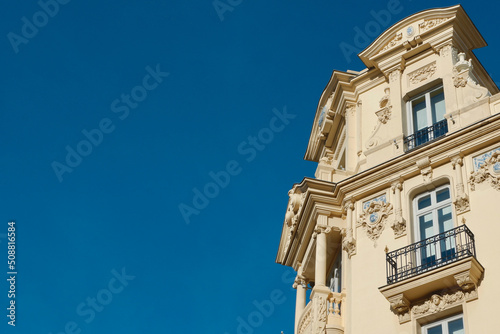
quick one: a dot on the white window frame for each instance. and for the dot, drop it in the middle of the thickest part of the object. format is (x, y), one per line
(409, 109)
(444, 323)
(433, 208)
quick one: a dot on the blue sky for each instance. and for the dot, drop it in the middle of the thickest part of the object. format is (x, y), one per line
(162, 101)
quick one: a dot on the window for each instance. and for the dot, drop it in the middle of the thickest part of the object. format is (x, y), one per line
(335, 280)
(426, 117)
(432, 216)
(453, 325)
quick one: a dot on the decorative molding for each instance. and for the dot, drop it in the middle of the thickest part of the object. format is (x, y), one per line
(429, 24)
(422, 74)
(383, 116)
(348, 243)
(399, 223)
(400, 305)
(489, 171)
(295, 204)
(392, 43)
(437, 303)
(462, 203)
(444, 50)
(374, 216)
(350, 109)
(394, 75)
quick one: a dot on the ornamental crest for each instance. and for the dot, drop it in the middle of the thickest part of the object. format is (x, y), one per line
(374, 215)
(488, 170)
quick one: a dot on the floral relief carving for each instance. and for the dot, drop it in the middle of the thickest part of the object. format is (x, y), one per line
(422, 74)
(374, 215)
(429, 24)
(392, 43)
(321, 307)
(488, 171)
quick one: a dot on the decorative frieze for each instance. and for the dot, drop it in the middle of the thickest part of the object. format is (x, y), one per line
(374, 216)
(393, 42)
(422, 74)
(440, 302)
(429, 24)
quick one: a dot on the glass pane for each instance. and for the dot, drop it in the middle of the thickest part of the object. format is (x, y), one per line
(447, 244)
(456, 327)
(419, 114)
(444, 219)
(443, 194)
(424, 202)
(435, 330)
(427, 252)
(437, 105)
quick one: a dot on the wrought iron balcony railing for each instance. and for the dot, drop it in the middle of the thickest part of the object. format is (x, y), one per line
(427, 134)
(431, 253)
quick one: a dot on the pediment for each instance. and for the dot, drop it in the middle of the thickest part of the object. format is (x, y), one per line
(430, 27)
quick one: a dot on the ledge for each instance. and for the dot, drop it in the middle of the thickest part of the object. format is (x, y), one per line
(462, 275)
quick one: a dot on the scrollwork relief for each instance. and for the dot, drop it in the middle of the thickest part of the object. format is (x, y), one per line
(392, 43)
(437, 303)
(429, 24)
(375, 213)
(422, 74)
(489, 172)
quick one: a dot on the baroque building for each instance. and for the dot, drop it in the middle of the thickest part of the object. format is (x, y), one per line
(397, 231)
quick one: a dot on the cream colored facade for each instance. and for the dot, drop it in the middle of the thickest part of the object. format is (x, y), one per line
(398, 232)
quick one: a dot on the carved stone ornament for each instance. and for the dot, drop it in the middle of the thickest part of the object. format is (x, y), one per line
(445, 50)
(394, 75)
(383, 116)
(489, 171)
(462, 203)
(374, 215)
(401, 307)
(295, 204)
(327, 160)
(429, 24)
(422, 74)
(437, 303)
(399, 225)
(348, 243)
(392, 43)
(321, 309)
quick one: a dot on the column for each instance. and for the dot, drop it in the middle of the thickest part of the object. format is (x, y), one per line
(349, 240)
(300, 303)
(320, 269)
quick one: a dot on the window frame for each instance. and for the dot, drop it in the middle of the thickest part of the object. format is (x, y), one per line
(409, 109)
(433, 209)
(445, 322)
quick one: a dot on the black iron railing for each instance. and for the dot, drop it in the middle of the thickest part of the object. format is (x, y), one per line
(427, 134)
(431, 253)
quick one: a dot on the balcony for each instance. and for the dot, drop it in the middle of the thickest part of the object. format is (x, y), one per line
(431, 253)
(331, 312)
(443, 264)
(425, 135)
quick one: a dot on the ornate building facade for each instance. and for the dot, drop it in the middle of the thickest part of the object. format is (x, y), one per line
(397, 231)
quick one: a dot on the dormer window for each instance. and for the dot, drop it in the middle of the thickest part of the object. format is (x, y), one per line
(425, 115)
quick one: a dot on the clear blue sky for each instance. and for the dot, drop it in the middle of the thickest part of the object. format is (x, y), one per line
(176, 93)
